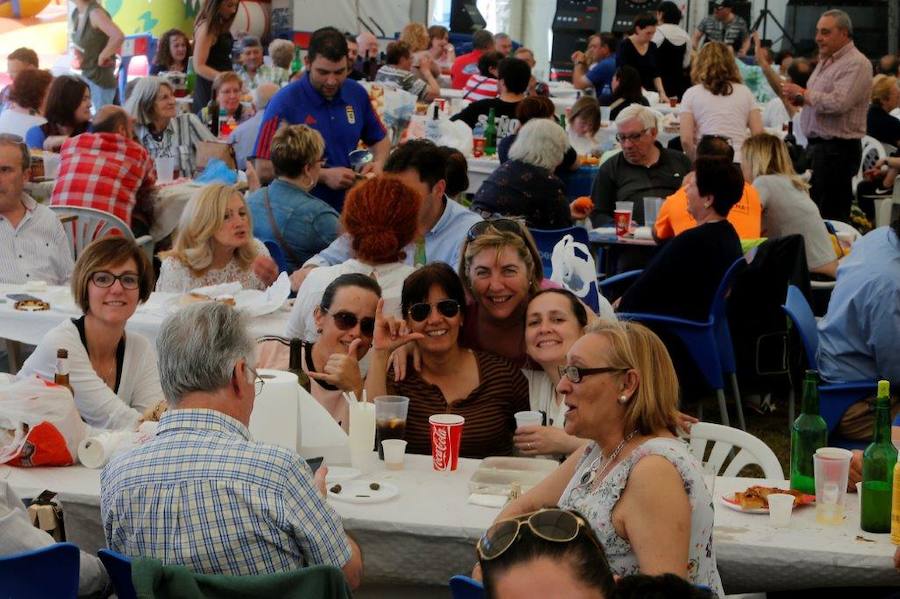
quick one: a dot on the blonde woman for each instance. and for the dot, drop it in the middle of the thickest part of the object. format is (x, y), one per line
(416, 37)
(879, 122)
(718, 103)
(787, 207)
(285, 212)
(215, 244)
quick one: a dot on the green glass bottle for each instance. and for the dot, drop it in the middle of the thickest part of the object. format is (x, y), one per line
(296, 64)
(878, 468)
(490, 135)
(808, 433)
(190, 81)
(562, 120)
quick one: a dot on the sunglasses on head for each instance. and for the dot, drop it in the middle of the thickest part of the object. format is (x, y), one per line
(500, 224)
(345, 321)
(447, 307)
(554, 524)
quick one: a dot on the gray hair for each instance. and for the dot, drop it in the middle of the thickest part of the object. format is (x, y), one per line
(263, 94)
(141, 104)
(644, 115)
(198, 347)
(842, 19)
(282, 53)
(9, 139)
(540, 142)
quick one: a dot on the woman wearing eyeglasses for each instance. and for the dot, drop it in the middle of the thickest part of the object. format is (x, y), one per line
(484, 388)
(636, 483)
(113, 374)
(215, 244)
(381, 217)
(345, 322)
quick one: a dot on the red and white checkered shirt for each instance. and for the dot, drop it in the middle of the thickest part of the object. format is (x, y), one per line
(103, 171)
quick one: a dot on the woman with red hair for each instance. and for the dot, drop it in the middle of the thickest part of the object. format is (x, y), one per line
(381, 217)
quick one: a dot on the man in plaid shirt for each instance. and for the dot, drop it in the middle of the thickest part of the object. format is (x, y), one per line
(107, 170)
(203, 493)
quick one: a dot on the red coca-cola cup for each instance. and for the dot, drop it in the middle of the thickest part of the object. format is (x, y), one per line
(623, 221)
(446, 435)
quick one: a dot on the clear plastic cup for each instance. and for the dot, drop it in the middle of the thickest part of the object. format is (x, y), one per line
(832, 471)
(165, 169)
(394, 452)
(604, 114)
(651, 210)
(390, 419)
(528, 418)
(780, 507)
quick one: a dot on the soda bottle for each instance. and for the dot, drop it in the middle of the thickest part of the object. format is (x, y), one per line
(879, 460)
(490, 135)
(808, 433)
(296, 64)
(61, 376)
(433, 126)
(562, 120)
(190, 81)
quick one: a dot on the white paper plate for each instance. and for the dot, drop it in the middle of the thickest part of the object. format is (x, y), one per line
(338, 474)
(358, 491)
(730, 504)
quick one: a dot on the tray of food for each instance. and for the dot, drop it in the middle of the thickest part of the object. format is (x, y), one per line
(754, 499)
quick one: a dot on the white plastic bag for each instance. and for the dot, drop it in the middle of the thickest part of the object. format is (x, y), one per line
(574, 268)
(39, 424)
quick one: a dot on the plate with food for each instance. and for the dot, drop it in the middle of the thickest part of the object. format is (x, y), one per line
(754, 499)
(362, 491)
(339, 474)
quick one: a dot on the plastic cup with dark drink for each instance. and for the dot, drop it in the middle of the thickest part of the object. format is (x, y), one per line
(390, 419)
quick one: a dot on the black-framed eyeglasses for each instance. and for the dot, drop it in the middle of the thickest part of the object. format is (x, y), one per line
(575, 373)
(623, 137)
(447, 307)
(551, 524)
(507, 225)
(347, 320)
(258, 381)
(105, 279)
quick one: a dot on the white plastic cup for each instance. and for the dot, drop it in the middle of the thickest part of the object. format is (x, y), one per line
(51, 165)
(528, 418)
(394, 452)
(831, 466)
(165, 169)
(604, 114)
(780, 507)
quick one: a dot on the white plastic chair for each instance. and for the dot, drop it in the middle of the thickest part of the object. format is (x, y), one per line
(751, 450)
(90, 224)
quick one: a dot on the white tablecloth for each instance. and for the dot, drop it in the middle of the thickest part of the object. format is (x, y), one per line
(479, 170)
(30, 327)
(428, 532)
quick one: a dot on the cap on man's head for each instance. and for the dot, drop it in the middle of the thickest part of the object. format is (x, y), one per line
(723, 4)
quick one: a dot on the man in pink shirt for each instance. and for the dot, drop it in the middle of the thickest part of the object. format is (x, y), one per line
(835, 102)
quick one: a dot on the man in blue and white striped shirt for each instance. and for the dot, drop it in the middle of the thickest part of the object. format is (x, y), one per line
(203, 494)
(33, 244)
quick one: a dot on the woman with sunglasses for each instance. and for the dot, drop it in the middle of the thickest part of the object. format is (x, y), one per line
(345, 322)
(548, 553)
(637, 484)
(482, 387)
(381, 216)
(113, 374)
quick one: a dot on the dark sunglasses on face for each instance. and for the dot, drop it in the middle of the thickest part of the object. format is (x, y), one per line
(347, 320)
(501, 224)
(106, 279)
(554, 525)
(447, 307)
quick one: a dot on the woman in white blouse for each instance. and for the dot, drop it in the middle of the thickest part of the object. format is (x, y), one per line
(554, 320)
(381, 217)
(719, 103)
(215, 244)
(113, 374)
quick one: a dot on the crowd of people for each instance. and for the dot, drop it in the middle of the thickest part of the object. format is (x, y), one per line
(401, 289)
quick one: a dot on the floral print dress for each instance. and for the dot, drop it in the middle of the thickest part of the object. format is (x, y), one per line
(596, 505)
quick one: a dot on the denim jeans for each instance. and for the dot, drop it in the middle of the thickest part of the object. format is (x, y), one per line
(100, 96)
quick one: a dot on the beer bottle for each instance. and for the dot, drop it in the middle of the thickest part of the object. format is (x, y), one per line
(296, 64)
(61, 377)
(879, 460)
(808, 433)
(562, 121)
(190, 80)
(490, 134)
(895, 509)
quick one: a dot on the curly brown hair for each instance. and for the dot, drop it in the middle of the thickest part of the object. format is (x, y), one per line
(30, 88)
(163, 54)
(716, 69)
(381, 215)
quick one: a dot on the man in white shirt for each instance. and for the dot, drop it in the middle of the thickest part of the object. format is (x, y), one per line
(33, 244)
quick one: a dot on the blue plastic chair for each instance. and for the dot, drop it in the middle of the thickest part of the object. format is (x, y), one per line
(463, 587)
(277, 255)
(834, 398)
(708, 343)
(47, 572)
(118, 567)
(142, 44)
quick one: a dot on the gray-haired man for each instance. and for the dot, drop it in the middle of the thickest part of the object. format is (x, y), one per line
(203, 494)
